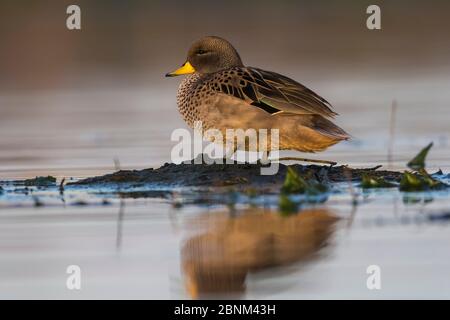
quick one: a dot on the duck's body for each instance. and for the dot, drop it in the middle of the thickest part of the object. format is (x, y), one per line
(237, 97)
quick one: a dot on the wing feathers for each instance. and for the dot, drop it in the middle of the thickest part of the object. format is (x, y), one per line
(281, 93)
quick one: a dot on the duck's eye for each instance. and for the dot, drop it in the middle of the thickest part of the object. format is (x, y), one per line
(200, 51)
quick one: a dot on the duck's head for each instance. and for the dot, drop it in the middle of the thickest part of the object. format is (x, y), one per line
(208, 55)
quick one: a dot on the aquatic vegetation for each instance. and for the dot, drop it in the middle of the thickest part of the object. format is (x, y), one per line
(412, 182)
(286, 206)
(432, 183)
(418, 162)
(368, 182)
(295, 184)
(41, 181)
(419, 179)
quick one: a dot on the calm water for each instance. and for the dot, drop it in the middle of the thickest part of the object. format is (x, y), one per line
(145, 248)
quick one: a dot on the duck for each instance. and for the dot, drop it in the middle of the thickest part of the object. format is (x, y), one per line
(221, 93)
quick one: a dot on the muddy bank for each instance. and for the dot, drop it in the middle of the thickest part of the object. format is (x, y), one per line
(239, 174)
(229, 184)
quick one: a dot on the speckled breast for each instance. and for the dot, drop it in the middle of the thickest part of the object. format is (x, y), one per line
(192, 94)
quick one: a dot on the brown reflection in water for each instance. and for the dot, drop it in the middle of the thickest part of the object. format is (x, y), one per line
(218, 260)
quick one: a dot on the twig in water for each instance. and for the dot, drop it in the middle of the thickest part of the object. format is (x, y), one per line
(121, 210)
(307, 160)
(119, 224)
(392, 133)
(61, 186)
(117, 164)
(348, 175)
(61, 191)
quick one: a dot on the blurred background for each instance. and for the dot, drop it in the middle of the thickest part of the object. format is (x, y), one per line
(73, 100)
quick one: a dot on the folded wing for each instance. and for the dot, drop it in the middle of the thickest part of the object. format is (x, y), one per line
(270, 91)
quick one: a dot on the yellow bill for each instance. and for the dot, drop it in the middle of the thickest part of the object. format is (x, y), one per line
(186, 68)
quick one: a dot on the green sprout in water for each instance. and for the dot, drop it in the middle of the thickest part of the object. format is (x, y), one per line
(420, 180)
(295, 184)
(432, 183)
(412, 182)
(418, 162)
(370, 182)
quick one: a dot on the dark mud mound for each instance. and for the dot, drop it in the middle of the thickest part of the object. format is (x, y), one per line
(219, 175)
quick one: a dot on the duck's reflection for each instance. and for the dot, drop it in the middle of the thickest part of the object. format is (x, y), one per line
(219, 260)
